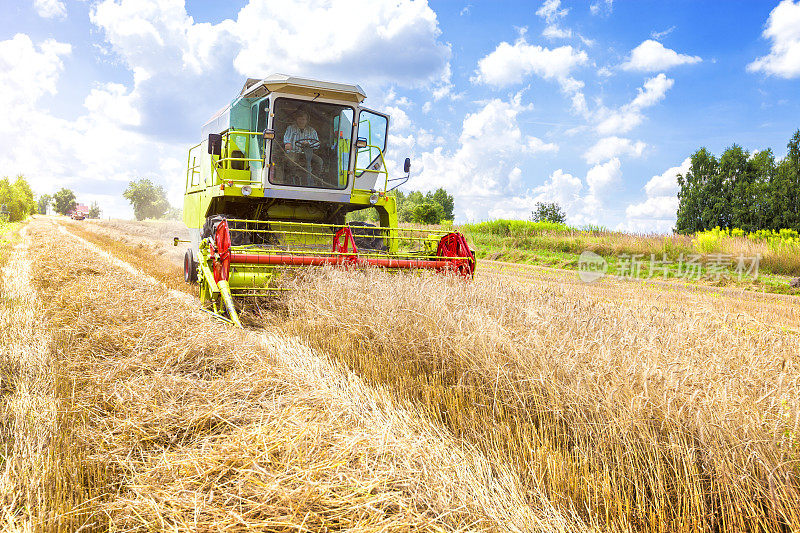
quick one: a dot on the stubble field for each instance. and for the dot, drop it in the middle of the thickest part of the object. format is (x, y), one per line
(523, 400)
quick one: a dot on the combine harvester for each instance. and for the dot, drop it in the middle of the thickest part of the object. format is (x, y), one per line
(269, 187)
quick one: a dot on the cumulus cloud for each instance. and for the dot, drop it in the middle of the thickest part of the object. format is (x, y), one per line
(560, 187)
(658, 211)
(181, 67)
(50, 8)
(483, 168)
(652, 56)
(94, 154)
(601, 176)
(510, 64)
(783, 29)
(585, 201)
(628, 116)
(393, 40)
(612, 147)
(28, 71)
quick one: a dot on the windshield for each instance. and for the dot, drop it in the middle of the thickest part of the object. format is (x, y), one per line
(312, 144)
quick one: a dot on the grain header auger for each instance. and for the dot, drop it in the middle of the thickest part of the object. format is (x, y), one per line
(270, 185)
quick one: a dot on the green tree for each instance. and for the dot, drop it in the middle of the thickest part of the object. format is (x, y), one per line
(17, 197)
(740, 190)
(548, 212)
(428, 212)
(94, 210)
(44, 202)
(407, 205)
(692, 198)
(64, 201)
(148, 200)
(445, 200)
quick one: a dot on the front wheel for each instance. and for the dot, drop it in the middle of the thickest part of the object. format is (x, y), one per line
(189, 267)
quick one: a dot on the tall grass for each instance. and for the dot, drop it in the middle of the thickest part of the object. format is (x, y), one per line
(779, 251)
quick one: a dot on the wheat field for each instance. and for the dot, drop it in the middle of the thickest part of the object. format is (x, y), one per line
(365, 401)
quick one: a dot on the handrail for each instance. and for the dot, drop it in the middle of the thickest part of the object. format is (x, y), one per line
(192, 168)
(221, 162)
(381, 171)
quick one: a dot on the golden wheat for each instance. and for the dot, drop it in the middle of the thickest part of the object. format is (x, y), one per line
(161, 418)
(614, 406)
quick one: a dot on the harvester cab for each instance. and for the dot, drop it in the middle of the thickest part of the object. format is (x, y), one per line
(270, 185)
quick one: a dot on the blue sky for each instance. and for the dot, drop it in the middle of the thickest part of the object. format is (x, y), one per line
(596, 105)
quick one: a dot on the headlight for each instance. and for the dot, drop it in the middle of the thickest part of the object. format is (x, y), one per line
(246, 190)
(373, 199)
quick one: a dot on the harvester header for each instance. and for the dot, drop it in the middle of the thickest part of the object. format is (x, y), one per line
(271, 183)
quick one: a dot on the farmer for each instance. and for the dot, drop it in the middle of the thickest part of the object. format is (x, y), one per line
(299, 138)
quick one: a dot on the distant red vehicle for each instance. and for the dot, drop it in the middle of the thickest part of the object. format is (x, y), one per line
(80, 212)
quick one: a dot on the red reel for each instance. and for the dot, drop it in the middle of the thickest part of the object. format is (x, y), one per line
(455, 245)
(221, 252)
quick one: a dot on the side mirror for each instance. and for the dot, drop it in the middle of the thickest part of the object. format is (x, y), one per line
(407, 165)
(269, 135)
(215, 144)
(361, 142)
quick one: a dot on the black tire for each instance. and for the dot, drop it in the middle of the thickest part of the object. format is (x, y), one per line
(189, 267)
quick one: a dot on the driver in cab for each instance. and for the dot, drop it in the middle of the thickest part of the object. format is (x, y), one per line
(299, 140)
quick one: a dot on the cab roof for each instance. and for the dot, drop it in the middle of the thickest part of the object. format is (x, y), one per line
(284, 83)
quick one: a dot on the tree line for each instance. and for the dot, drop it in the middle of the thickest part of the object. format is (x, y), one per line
(432, 208)
(740, 190)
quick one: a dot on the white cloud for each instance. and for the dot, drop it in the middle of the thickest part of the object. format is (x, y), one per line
(651, 56)
(612, 147)
(661, 34)
(584, 201)
(535, 145)
(50, 8)
(783, 29)
(399, 119)
(658, 211)
(510, 64)
(28, 71)
(396, 40)
(601, 6)
(485, 166)
(656, 207)
(171, 55)
(652, 92)
(627, 117)
(560, 187)
(553, 31)
(601, 176)
(94, 154)
(549, 10)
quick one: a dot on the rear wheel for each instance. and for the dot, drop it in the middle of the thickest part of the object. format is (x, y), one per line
(189, 267)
